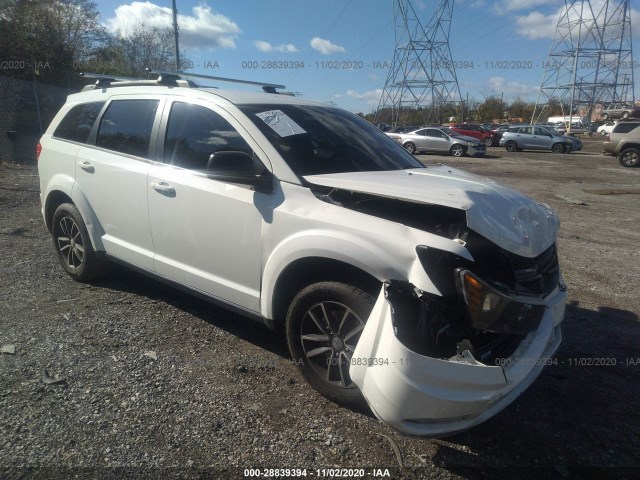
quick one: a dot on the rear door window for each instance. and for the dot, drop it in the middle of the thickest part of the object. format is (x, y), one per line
(78, 122)
(126, 126)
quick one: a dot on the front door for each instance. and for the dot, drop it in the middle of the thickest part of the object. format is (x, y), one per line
(207, 233)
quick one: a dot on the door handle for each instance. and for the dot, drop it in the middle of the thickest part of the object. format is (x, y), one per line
(87, 167)
(164, 188)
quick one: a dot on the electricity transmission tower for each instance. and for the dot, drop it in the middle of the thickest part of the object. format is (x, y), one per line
(422, 74)
(591, 59)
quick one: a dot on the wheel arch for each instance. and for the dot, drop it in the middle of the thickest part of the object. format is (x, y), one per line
(306, 271)
(54, 199)
(57, 195)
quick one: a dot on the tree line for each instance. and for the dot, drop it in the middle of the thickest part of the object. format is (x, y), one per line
(491, 109)
(54, 40)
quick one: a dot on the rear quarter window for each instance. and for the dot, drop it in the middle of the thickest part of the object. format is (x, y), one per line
(624, 127)
(78, 122)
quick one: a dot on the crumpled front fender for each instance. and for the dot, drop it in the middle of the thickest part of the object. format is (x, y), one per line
(420, 395)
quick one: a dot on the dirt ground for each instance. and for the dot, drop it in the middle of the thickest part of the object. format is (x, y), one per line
(129, 378)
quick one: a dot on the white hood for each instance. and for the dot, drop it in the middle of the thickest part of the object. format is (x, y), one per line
(510, 219)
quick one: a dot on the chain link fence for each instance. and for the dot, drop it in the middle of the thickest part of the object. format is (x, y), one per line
(26, 109)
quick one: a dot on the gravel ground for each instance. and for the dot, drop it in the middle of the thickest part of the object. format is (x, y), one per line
(128, 378)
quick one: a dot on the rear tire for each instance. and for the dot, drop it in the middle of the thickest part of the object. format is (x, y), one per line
(511, 146)
(630, 158)
(625, 115)
(73, 245)
(605, 116)
(323, 326)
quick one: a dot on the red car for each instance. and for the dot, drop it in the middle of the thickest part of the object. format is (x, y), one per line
(486, 136)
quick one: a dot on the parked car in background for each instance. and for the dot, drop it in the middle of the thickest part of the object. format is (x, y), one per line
(605, 128)
(384, 127)
(404, 129)
(620, 110)
(439, 140)
(486, 136)
(624, 143)
(536, 137)
(576, 129)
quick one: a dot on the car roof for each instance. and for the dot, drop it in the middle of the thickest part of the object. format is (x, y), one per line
(237, 97)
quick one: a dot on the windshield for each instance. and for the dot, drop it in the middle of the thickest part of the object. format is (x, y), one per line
(316, 140)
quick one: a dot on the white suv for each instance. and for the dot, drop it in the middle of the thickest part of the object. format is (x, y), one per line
(432, 294)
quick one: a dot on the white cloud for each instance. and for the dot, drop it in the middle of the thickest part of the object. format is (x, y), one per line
(503, 7)
(370, 97)
(474, 3)
(510, 88)
(535, 25)
(266, 47)
(325, 47)
(204, 28)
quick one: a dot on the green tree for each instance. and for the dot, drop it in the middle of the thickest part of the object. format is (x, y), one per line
(47, 39)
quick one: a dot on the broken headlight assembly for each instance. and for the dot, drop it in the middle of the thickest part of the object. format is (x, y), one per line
(493, 311)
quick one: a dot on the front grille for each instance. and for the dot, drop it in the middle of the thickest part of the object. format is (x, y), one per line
(537, 276)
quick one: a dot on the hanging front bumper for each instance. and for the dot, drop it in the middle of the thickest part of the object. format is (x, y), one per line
(420, 395)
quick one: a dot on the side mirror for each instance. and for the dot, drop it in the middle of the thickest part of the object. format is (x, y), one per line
(235, 166)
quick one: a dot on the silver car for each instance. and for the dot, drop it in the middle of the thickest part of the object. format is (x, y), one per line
(439, 140)
(536, 137)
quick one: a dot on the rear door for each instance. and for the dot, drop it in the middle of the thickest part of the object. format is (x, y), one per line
(206, 233)
(112, 177)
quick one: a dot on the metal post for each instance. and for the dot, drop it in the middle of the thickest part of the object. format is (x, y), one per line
(175, 33)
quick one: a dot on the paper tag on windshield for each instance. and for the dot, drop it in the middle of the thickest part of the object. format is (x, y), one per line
(281, 123)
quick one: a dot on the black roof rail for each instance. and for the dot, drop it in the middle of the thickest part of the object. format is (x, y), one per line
(174, 76)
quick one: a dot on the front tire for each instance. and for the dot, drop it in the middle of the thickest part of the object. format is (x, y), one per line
(488, 142)
(458, 151)
(557, 148)
(323, 326)
(630, 158)
(511, 146)
(410, 147)
(625, 115)
(73, 245)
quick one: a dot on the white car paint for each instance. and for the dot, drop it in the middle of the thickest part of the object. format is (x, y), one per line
(532, 227)
(131, 214)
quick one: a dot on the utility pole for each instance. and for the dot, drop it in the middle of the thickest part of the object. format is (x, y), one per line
(175, 34)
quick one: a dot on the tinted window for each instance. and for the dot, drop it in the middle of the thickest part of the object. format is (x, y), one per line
(318, 140)
(78, 122)
(195, 132)
(126, 126)
(434, 133)
(625, 127)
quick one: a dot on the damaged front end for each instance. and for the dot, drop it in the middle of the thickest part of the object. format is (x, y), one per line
(434, 365)
(474, 319)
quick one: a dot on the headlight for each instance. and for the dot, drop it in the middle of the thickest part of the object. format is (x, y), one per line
(493, 311)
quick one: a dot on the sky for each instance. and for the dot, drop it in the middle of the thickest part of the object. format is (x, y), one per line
(340, 51)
